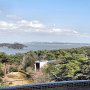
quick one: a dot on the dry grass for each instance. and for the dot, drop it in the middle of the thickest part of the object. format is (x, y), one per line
(17, 78)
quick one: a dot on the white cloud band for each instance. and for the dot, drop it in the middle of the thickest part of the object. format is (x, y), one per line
(22, 25)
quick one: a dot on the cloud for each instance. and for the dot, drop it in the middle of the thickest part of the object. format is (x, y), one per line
(30, 24)
(5, 25)
(36, 26)
(63, 31)
(14, 23)
(21, 25)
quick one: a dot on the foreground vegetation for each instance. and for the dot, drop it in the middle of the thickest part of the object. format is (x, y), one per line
(73, 64)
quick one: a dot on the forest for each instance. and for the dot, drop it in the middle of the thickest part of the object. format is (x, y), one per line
(73, 64)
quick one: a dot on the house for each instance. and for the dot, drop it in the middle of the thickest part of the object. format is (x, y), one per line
(41, 63)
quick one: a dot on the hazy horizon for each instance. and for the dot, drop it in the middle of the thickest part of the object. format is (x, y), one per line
(44, 42)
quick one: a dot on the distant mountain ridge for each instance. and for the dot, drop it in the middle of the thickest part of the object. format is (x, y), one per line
(55, 43)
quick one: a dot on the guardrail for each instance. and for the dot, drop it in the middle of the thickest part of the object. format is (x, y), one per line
(63, 85)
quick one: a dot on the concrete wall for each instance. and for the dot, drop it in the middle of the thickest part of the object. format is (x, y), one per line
(42, 64)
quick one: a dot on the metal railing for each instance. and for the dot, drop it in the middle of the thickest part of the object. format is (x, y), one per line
(63, 85)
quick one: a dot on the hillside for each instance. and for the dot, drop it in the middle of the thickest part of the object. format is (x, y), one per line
(17, 78)
(74, 64)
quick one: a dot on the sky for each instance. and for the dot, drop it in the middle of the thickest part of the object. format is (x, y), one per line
(45, 21)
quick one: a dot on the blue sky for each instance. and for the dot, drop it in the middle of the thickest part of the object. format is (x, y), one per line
(45, 21)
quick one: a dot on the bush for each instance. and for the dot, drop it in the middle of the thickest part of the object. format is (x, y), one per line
(13, 69)
(1, 73)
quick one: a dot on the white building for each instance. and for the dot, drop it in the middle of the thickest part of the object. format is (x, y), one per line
(41, 63)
